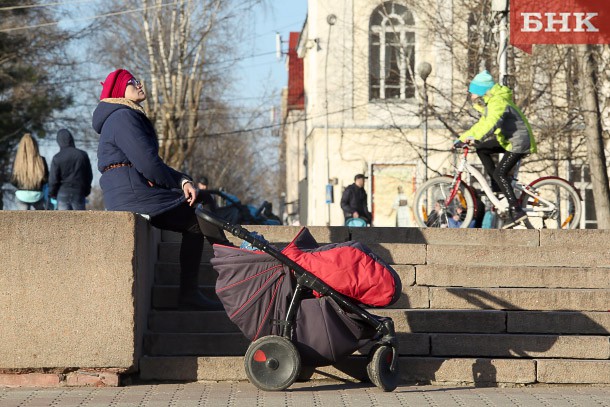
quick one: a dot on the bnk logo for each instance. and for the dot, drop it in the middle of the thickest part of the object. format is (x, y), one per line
(559, 22)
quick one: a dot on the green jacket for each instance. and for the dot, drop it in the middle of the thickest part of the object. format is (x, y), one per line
(500, 117)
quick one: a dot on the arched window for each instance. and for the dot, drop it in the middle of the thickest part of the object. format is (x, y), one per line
(392, 52)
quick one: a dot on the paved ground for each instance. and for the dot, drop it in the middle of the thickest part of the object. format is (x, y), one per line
(316, 394)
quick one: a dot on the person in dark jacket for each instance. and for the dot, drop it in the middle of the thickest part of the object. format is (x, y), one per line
(354, 201)
(135, 179)
(71, 176)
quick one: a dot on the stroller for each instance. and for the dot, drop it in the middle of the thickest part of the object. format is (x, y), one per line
(281, 302)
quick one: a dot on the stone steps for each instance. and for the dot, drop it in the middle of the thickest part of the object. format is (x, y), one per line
(420, 254)
(235, 344)
(422, 344)
(279, 233)
(410, 320)
(575, 256)
(497, 321)
(393, 253)
(469, 275)
(189, 344)
(534, 299)
(166, 296)
(471, 310)
(417, 321)
(169, 274)
(170, 321)
(558, 239)
(412, 370)
(444, 275)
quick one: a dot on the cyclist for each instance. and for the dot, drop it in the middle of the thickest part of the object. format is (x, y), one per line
(502, 128)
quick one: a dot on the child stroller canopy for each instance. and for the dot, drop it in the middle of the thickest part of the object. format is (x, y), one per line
(351, 268)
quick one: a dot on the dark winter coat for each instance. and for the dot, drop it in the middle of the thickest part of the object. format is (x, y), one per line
(145, 184)
(70, 168)
(354, 200)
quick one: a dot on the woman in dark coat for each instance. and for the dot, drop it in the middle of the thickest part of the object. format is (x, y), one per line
(135, 179)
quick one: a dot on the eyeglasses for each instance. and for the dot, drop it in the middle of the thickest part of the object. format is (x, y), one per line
(134, 82)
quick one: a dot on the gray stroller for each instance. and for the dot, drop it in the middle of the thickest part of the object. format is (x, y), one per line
(297, 321)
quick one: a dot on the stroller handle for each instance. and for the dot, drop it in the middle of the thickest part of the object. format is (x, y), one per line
(221, 223)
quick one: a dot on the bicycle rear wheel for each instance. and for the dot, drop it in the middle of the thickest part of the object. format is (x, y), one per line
(556, 205)
(431, 207)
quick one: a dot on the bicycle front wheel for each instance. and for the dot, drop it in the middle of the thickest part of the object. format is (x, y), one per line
(432, 209)
(555, 204)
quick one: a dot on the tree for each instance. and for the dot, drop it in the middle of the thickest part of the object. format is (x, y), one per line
(590, 111)
(31, 61)
(184, 51)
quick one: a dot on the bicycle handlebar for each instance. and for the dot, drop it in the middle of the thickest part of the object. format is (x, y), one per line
(465, 147)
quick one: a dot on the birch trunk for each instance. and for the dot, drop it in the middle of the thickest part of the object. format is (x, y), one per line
(593, 134)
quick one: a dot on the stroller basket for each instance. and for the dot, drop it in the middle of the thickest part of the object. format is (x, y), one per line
(269, 297)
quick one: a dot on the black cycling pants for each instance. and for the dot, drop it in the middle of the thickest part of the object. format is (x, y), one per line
(500, 180)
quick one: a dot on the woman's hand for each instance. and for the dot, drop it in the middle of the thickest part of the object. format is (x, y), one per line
(190, 193)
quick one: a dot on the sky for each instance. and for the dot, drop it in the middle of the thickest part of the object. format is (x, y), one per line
(263, 74)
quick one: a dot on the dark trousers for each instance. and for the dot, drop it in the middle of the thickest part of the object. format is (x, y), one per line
(184, 220)
(500, 180)
(68, 200)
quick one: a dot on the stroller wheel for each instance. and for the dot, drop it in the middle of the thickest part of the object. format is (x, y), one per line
(272, 363)
(306, 373)
(378, 368)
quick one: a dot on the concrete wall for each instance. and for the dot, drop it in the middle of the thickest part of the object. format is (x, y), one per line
(74, 289)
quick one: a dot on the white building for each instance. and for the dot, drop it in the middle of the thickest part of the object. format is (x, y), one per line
(363, 104)
(363, 108)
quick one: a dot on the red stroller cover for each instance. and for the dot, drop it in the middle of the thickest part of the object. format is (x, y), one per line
(350, 268)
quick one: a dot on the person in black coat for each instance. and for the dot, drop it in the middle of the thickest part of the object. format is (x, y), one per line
(71, 176)
(135, 179)
(354, 201)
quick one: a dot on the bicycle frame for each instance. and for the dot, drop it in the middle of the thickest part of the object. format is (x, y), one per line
(501, 206)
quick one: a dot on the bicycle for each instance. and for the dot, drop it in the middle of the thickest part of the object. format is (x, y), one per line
(549, 202)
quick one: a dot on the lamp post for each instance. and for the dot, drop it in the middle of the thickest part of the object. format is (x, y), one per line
(331, 19)
(424, 69)
(502, 8)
